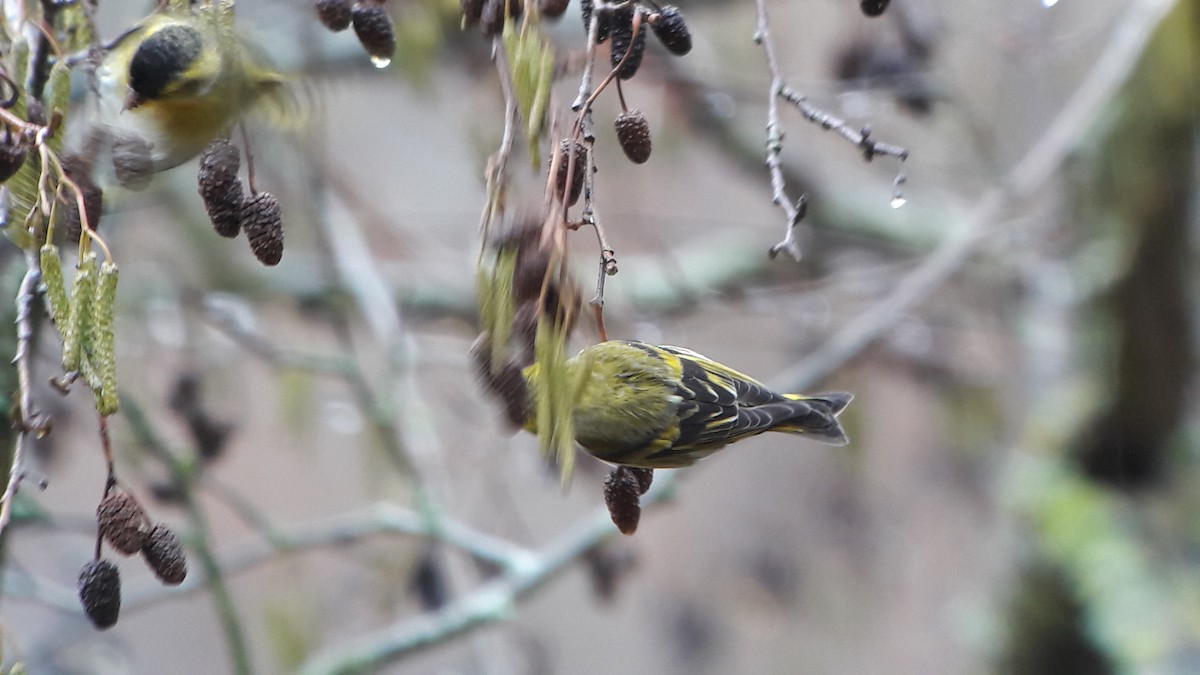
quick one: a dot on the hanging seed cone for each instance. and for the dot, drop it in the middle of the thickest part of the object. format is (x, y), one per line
(672, 31)
(374, 29)
(334, 14)
(633, 132)
(873, 7)
(644, 477)
(100, 592)
(262, 218)
(624, 40)
(553, 8)
(220, 187)
(93, 205)
(12, 156)
(560, 178)
(603, 29)
(164, 555)
(122, 522)
(493, 14)
(471, 11)
(621, 494)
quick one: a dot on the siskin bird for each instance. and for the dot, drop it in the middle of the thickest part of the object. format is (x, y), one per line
(177, 80)
(666, 407)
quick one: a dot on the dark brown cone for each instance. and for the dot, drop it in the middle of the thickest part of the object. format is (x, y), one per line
(623, 39)
(471, 11)
(634, 134)
(374, 29)
(672, 31)
(122, 522)
(621, 492)
(603, 29)
(507, 384)
(644, 477)
(553, 8)
(262, 219)
(78, 169)
(100, 592)
(165, 555)
(580, 168)
(220, 187)
(334, 14)
(609, 565)
(492, 17)
(210, 435)
(132, 162)
(873, 7)
(12, 156)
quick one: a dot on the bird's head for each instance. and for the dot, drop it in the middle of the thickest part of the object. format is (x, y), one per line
(169, 62)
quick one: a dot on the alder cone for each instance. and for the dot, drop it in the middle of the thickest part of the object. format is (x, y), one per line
(262, 218)
(164, 554)
(633, 132)
(93, 205)
(672, 31)
(374, 29)
(100, 592)
(560, 179)
(220, 187)
(604, 25)
(624, 40)
(622, 491)
(122, 522)
(553, 8)
(644, 477)
(12, 156)
(492, 18)
(334, 14)
(471, 11)
(873, 7)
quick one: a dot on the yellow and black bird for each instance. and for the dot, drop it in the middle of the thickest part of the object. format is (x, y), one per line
(664, 407)
(179, 79)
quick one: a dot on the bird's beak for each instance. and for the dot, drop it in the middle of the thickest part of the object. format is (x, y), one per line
(132, 101)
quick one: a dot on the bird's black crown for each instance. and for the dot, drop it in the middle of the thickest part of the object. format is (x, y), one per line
(162, 58)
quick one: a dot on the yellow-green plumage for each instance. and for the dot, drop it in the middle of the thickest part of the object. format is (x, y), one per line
(179, 80)
(665, 407)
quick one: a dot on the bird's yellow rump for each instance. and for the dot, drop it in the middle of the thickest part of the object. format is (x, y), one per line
(181, 78)
(665, 407)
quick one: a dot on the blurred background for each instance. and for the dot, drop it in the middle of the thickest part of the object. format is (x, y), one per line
(1020, 491)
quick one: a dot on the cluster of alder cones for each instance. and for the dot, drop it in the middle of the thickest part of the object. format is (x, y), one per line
(372, 24)
(624, 27)
(231, 211)
(122, 523)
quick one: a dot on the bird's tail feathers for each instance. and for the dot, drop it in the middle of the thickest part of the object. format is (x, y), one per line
(817, 417)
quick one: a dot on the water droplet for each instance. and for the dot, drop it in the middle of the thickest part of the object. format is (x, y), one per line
(897, 202)
(1049, 3)
(380, 61)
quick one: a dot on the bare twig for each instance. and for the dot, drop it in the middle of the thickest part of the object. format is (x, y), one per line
(497, 165)
(487, 604)
(1025, 178)
(794, 210)
(261, 347)
(26, 418)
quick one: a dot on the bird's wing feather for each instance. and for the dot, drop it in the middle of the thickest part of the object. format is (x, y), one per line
(720, 404)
